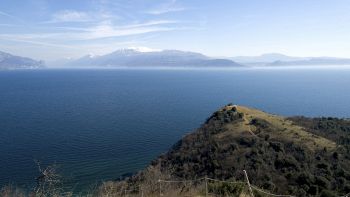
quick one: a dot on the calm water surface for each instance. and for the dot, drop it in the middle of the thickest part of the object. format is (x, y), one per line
(100, 124)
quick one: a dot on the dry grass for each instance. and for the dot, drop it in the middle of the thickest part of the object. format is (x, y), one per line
(149, 186)
(12, 191)
(286, 129)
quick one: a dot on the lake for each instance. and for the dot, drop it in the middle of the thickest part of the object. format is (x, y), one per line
(100, 124)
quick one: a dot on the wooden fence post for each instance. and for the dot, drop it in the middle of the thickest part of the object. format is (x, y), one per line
(247, 179)
(141, 191)
(206, 186)
(160, 187)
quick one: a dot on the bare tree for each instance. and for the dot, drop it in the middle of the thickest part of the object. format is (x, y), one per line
(48, 182)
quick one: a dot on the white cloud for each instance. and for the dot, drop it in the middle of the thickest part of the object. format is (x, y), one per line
(6, 14)
(30, 41)
(10, 16)
(170, 6)
(98, 29)
(9, 25)
(105, 29)
(144, 49)
(152, 23)
(69, 16)
(166, 10)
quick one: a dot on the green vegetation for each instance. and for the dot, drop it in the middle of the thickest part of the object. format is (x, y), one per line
(279, 154)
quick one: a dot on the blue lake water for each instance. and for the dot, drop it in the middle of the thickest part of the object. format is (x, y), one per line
(99, 124)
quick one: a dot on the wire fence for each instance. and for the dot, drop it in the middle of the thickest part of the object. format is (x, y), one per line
(210, 187)
(233, 188)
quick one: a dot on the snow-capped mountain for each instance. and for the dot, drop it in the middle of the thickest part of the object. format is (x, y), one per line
(132, 58)
(8, 61)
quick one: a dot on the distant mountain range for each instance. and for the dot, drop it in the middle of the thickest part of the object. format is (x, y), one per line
(133, 58)
(276, 59)
(9, 61)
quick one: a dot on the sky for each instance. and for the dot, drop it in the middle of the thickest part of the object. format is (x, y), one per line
(55, 29)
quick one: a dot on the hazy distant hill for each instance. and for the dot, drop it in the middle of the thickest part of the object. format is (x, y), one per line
(276, 59)
(296, 156)
(167, 58)
(8, 61)
(264, 58)
(312, 61)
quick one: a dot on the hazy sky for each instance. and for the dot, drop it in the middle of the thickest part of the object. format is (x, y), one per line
(52, 29)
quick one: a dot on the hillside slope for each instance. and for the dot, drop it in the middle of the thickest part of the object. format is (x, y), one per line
(9, 61)
(297, 156)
